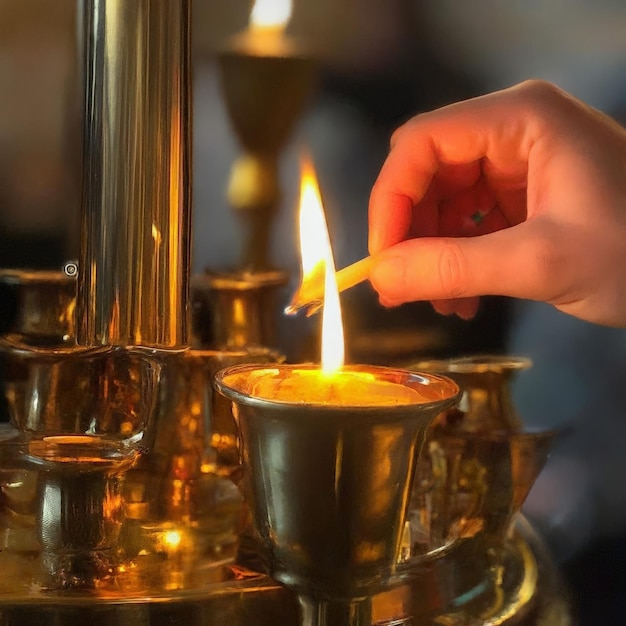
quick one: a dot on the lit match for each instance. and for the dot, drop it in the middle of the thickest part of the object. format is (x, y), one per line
(310, 293)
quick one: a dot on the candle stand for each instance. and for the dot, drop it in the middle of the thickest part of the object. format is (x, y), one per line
(328, 485)
(265, 94)
(129, 491)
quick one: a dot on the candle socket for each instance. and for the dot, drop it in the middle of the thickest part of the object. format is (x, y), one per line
(236, 310)
(328, 485)
(264, 96)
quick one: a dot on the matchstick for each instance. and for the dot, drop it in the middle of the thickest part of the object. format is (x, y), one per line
(310, 294)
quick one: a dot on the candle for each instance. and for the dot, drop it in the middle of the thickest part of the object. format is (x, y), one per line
(350, 387)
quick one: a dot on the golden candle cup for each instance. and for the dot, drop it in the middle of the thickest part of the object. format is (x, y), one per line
(328, 482)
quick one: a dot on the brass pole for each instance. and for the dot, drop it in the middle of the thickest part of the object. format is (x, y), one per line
(133, 281)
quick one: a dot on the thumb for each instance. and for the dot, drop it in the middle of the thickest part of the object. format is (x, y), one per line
(440, 268)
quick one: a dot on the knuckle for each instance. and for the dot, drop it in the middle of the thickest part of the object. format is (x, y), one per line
(393, 140)
(543, 106)
(404, 130)
(452, 270)
(541, 95)
(395, 136)
(536, 89)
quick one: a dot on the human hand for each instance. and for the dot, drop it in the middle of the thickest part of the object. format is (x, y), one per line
(518, 193)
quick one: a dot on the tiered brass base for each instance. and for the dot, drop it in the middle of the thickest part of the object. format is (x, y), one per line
(526, 591)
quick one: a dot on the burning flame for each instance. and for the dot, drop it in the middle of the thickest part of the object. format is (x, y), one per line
(271, 13)
(317, 257)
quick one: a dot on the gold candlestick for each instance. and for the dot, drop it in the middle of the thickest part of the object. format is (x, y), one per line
(267, 78)
(328, 474)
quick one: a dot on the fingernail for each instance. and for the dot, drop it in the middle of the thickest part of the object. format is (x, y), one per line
(387, 276)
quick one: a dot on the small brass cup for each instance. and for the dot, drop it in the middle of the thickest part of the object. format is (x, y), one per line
(328, 485)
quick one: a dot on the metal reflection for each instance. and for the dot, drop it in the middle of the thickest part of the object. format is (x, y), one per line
(133, 287)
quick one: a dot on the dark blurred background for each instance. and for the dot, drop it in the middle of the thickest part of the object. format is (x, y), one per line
(381, 61)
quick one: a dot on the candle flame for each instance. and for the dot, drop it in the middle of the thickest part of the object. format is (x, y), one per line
(270, 13)
(317, 257)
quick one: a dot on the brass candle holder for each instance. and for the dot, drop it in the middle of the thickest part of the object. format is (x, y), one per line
(328, 482)
(264, 95)
(267, 79)
(478, 466)
(80, 419)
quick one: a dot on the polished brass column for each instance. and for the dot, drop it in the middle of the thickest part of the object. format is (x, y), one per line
(135, 235)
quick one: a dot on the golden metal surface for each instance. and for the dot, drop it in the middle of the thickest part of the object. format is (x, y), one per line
(173, 522)
(238, 310)
(264, 97)
(45, 304)
(328, 485)
(80, 418)
(479, 463)
(133, 277)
